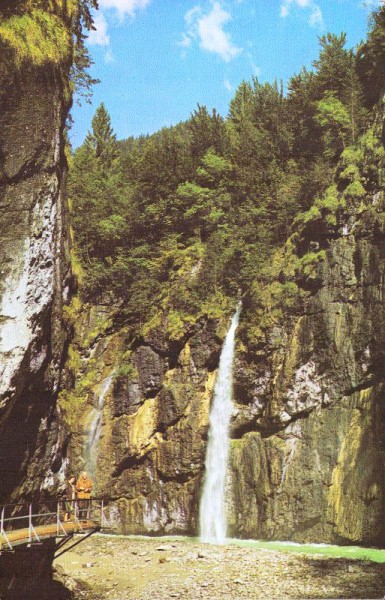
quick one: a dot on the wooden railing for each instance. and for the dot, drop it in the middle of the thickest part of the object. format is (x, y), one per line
(30, 523)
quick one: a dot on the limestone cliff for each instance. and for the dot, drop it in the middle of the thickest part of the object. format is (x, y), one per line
(308, 424)
(308, 436)
(307, 461)
(151, 450)
(35, 271)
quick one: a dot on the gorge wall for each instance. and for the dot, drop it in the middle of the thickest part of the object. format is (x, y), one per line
(310, 465)
(308, 425)
(35, 274)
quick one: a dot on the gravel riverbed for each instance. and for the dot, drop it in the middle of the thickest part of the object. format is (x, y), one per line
(118, 568)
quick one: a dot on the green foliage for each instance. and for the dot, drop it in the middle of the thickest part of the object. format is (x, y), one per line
(213, 170)
(334, 120)
(312, 214)
(207, 132)
(308, 264)
(333, 66)
(127, 369)
(270, 301)
(361, 167)
(81, 80)
(355, 190)
(72, 402)
(37, 38)
(38, 33)
(173, 226)
(72, 311)
(102, 140)
(326, 208)
(371, 59)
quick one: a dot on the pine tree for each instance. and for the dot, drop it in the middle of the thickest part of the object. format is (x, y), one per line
(102, 140)
(371, 59)
(207, 131)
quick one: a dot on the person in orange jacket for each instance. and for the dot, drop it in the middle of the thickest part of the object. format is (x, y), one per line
(84, 488)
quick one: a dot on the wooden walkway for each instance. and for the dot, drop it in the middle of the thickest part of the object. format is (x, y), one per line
(46, 520)
(23, 536)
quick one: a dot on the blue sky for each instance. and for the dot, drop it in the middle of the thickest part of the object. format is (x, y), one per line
(157, 59)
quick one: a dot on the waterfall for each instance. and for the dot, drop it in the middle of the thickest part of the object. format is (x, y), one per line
(212, 507)
(95, 429)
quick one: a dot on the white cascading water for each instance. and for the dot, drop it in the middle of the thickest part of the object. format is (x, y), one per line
(92, 441)
(212, 511)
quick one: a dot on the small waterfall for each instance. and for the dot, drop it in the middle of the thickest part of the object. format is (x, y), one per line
(93, 433)
(212, 507)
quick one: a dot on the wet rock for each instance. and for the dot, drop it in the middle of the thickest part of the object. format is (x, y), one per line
(35, 278)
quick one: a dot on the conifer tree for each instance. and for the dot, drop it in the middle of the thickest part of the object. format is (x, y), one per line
(371, 59)
(102, 140)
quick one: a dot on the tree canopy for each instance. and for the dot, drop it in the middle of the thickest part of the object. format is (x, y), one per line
(183, 219)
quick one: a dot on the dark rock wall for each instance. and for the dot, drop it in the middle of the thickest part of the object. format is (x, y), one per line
(151, 450)
(35, 277)
(27, 574)
(311, 466)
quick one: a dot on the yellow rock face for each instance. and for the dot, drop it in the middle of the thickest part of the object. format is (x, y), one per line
(354, 492)
(141, 427)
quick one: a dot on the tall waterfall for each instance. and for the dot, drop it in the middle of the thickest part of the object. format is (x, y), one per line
(212, 507)
(95, 429)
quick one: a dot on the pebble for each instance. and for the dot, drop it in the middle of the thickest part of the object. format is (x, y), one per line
(350, 569)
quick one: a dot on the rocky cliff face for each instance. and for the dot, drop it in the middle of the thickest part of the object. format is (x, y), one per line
(35, 277)
(151, 450)
(308, 424)
(310, 466)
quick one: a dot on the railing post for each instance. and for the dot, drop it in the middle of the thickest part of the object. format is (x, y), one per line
(59, 524)
(30, 523)
(3, 530)
(76, 510)
(31, 529)
(104, 522)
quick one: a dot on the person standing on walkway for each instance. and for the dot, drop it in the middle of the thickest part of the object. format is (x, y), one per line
(84, 488)
(70, 497)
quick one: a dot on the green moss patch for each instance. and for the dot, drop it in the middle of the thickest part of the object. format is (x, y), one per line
(36, 37)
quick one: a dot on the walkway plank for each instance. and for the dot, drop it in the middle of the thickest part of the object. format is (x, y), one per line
(21, 536)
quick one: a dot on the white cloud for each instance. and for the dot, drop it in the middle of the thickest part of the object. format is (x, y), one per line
(109, 57)
(228, 85)
(192, 15)
(256, 70)
(372, 4)
(99, 35)
(208, 29)
(124, 7)
(315, 17)
(185, 42)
